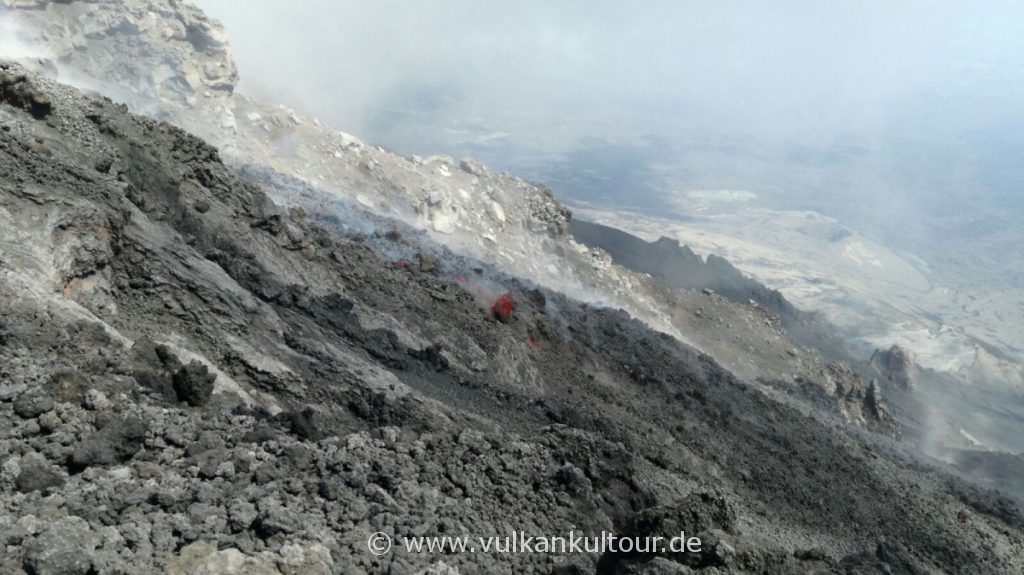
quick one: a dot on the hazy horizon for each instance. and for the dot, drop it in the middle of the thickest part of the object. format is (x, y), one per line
(883, 115)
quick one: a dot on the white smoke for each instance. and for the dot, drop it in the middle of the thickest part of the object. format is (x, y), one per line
(18, 44)
(15, 44)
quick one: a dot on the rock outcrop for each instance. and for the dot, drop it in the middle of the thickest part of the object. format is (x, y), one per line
(152, 55)
(897, 365)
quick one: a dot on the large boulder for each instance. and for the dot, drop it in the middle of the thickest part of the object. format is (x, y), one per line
(117, 441)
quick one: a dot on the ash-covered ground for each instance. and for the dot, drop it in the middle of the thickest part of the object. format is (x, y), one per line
(194, 380)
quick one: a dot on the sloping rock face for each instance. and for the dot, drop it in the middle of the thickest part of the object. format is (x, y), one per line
(679, 267)
(351, 395)
(745, 326)
(169, 60)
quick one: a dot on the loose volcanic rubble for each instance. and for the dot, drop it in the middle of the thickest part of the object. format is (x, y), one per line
(195, 380)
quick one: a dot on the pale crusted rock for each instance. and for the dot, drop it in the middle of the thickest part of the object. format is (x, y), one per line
(202, 558)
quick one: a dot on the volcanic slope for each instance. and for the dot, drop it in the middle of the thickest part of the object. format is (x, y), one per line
(168, 59)
(193, 380)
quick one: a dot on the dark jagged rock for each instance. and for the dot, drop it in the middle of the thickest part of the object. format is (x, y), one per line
(64, 547)
(307, 424)
(37, 477)
(30, 405)
(193, 383)
(896, 364)
(16, 90)
(115, 442)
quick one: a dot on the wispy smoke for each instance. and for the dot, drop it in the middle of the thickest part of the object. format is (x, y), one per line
(14, 44)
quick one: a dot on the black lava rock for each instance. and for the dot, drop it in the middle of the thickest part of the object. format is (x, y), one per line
(116, 442)
(31, 405)
(193, 384)
(37, 477)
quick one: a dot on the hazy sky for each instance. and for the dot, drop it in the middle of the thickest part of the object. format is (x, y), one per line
(621, 102)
